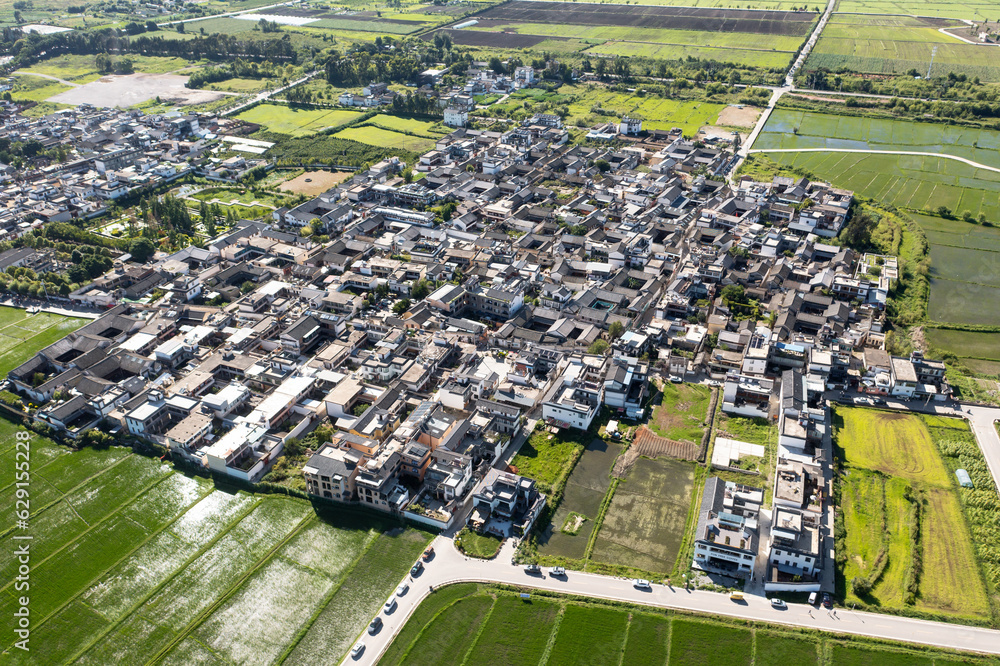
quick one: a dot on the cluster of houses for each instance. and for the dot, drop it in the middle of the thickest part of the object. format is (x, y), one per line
(114, 153)
(559, 281)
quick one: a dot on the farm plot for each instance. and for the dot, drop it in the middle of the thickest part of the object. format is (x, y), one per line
(644, 525)
(548, 457)
(793, 130)
(966, 344)
(22, 337)
(515, 633)
(655, 32)
(906, 181)
(682, 412)
(153, 550)
(569, 531)
(590, 632)
(314, 182)
(297, 122)
(880, 513)
(375, 136)
(975, 10)
(886, 47)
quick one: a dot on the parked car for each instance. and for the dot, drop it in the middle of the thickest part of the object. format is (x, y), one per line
(827, 601)
(532, 569)
(428, 554)
(358, 649)
(779, 604)
(375, 625)
(417, 568)
(389, 605)
(642, 584)
(736, 596)
(675, 379)
(812, 598)
(402, 589)
(557, 571)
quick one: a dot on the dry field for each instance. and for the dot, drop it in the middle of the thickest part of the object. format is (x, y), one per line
(131, 89)
(314, 182)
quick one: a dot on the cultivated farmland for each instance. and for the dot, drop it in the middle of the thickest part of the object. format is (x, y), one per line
(976, 10)
(445, 629)
(165, 564)
(896, 495)
(644, 525)
(572, 523)
(908, 181)
(21, 334)
(794, 130)
(766, 39)
(898, 44)
(297, 122)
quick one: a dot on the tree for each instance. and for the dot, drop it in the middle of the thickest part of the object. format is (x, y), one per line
(77, 257)
(141, 249)
(247, 287)
(967, 215)
(599, 346)
(733, 293)
(616, 329)
(943, 211)
(602, 165)
(420, 290)
(401, 306)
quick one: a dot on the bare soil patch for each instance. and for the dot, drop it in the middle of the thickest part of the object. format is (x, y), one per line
(314, 182)
(735, 117)
(130, 89)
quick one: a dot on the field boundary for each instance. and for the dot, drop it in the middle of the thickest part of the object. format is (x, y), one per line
(976, 165)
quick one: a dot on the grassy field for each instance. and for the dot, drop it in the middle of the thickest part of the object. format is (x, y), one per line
(295, 121)
(893, 475)
(567, 537)
(906, 181)
(887, 46)
(547, 458)
(409, 126)
(582, 100)
(166, 565)
(964, 259)
(644, 525)
(376, 136)
(83, 68)
(22, 335)
(969, 344)
(483, 546)
(794, 129)
(445, 629)
(763, 58)
(682, 412)
(975, 10)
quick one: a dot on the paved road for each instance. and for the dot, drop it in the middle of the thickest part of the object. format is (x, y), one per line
(49, 77)
(875, 152)
(267, 94)
(449, 566)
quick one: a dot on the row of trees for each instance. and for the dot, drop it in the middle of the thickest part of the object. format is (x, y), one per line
(238, 69)
(362, 68)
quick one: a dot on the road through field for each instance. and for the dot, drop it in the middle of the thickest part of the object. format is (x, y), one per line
(450, 566)
(977, 165)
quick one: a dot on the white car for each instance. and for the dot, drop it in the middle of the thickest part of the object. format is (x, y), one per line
(358, 649)
(557, 571)
(389, 606)
(779, 604)
(642, 584)
(402, 589)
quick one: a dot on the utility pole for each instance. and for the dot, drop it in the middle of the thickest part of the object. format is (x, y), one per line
(933, 53)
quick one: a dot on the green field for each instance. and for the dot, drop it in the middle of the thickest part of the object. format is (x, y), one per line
(682, 412)
(644, 525)
(548, 457)
(743, 48)
(376, 136)
(975, 10)
(906, 181)
(966, 344)
(893, 476)
(482, 625)
(791, 129)
(964, 260)
(582, 101)
(21, 335)
(295, 121)
(83, 68)
(409, 126)
(168, 566)
(584, 492)
(884, 46)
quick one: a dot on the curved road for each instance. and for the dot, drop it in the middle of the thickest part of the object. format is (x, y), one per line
(47, 76)
(450, 566)
(875, 152)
